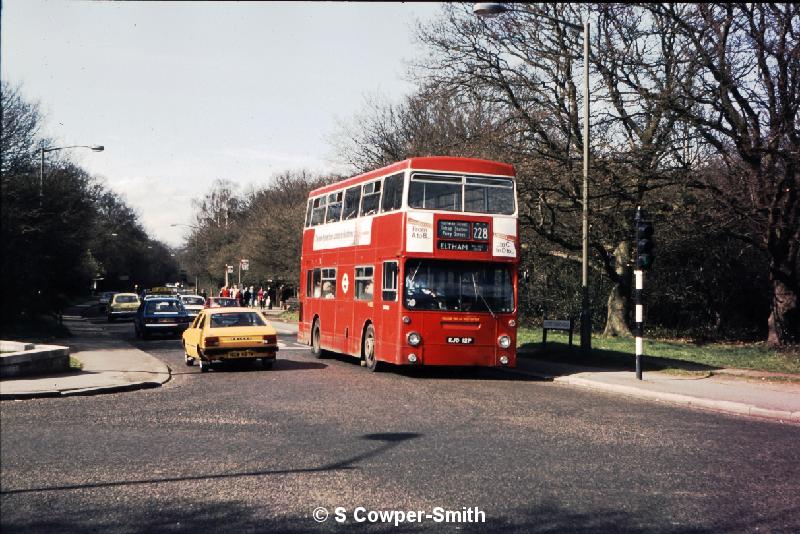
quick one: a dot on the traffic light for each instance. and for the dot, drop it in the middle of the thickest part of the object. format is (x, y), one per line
(644, 243)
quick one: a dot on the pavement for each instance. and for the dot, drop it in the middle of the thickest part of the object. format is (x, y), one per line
(112, 365)
(108, 365)
(773, 396)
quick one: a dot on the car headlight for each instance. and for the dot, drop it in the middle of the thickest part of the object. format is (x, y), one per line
(504, 342)
(414, 339)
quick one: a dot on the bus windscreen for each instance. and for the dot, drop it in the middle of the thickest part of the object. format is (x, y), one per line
(458, 286)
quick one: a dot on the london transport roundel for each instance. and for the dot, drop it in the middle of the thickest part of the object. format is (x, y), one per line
(345, 283)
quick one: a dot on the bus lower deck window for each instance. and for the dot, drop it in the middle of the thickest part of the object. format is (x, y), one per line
(364, 283)
(328, 283)
(389, 290)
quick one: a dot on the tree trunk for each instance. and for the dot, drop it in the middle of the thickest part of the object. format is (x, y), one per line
(784, 250)
(620, 296)
(784, 320)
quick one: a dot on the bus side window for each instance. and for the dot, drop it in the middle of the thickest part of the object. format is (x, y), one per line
(317, 283)
(328, 283)
(334, 207)
(389, 281)
(308, 214)
(392, 192)
(352, 198)
(364, 283)
(318, 210)
(371, 198)
(308, 283)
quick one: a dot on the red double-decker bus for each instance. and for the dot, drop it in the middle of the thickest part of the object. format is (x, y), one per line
(414, 264)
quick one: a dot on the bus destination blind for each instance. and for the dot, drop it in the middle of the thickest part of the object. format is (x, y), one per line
(462, 236)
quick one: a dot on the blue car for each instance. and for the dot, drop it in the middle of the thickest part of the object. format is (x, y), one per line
(161, 315)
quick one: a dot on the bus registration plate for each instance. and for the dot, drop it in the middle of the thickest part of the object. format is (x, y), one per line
(460, 340)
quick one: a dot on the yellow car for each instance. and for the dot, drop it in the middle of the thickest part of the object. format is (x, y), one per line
(219, 334)
(122, 305)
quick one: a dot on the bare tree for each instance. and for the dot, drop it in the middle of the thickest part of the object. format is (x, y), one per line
(20, 133)
(431, 121)
(528, 63)
(743, 101)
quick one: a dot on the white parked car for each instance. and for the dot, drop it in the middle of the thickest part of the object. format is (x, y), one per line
(193, 303)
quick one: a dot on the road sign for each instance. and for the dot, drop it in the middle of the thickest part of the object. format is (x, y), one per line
(230, 269)
(245, 265)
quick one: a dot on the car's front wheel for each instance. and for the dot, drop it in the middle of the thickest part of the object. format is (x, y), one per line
(186, 358)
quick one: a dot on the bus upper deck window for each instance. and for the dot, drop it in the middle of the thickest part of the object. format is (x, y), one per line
(334, 207)
(436, 192)
(308, 214)
(371, 198)
(392, 192)
(352, 199)
(489, 195)
(318, 211)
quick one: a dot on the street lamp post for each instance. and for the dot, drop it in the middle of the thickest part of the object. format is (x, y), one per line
(42, 150)
(491, 9)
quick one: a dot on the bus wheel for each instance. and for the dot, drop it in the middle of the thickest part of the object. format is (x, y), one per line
(368, 350)
(316, 349)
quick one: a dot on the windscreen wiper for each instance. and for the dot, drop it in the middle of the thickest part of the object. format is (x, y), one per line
(478, 293)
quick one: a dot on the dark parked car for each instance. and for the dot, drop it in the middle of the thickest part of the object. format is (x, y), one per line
(162, 315)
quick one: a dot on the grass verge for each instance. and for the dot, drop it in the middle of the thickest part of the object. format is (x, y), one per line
(289, 316)
(660, 354)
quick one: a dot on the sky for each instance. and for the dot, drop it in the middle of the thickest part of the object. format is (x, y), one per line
(184, 93)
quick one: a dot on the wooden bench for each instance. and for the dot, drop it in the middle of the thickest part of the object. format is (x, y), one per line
(552, 324)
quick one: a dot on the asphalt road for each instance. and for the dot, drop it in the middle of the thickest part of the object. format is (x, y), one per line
(247, 449)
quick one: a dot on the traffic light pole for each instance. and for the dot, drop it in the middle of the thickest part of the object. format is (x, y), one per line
(638, 325)
(644, 260)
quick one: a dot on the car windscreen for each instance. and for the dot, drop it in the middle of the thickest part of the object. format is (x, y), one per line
(458, 286)
(193, 301)
(125, 299)
(226, 303)
(163, 306)
(224, 320)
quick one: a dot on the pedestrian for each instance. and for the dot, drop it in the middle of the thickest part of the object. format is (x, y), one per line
(261, 297)
(224, 292)
(246, 297)
(203, 294)
(269, 303)
(252, 297)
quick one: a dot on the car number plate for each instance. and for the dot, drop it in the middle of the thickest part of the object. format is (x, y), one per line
(460, 340)
(240, 354)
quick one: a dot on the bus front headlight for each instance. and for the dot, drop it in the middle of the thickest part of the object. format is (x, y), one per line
(504, 342)
(413, 339)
